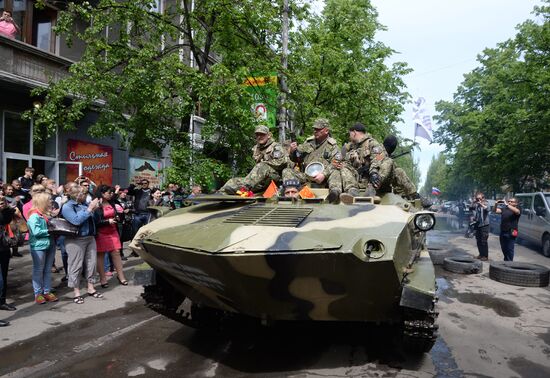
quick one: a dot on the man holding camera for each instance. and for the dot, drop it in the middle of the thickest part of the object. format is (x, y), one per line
(481, 219)
(319, 148)
(8, 26)
(510, 213)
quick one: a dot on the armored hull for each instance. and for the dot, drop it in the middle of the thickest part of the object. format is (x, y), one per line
(296, 261)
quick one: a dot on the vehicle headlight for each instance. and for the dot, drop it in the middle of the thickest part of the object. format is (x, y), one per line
(424, 222)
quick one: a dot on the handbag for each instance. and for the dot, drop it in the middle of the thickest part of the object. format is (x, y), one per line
(7, 238)
(514, 232)
(62, 227)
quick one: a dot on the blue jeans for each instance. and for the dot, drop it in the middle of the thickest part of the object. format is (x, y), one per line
(507, 245)
(140, 219)
(42, 261)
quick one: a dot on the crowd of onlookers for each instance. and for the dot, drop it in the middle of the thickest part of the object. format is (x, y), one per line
(87, 223)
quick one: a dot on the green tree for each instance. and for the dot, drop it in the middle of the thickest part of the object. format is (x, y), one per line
(337, 70)
(497, 126)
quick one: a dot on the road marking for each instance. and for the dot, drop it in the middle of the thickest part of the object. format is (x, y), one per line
(111, 336)
(28, 370)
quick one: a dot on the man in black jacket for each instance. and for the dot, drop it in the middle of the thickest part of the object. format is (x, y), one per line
(142, 196)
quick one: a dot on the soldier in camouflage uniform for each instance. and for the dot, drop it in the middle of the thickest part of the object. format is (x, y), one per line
(270, 158)
(401, 183)
(364, 158)
(320, 148)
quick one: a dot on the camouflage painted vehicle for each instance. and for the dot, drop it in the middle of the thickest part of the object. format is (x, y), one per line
(295, 260)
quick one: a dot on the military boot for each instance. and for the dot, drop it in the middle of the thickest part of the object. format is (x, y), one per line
(333, 196)
(348, 198)
(228, 190)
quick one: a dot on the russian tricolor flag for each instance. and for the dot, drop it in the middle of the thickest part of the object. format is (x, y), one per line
(435, 191)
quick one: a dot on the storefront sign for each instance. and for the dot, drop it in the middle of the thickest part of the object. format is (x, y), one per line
(148, 169)
(264, 92)
(97, 161)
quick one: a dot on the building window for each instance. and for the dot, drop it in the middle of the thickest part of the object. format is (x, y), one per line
(43, 21)
(17, 134)
(20, 150)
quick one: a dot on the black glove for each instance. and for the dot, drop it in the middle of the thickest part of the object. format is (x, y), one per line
(375, 180)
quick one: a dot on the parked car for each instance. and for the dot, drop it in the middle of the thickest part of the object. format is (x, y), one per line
(447, 206)
(534, 223)
(461, 209)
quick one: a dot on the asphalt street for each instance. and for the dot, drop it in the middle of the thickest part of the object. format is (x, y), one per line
(487, 329)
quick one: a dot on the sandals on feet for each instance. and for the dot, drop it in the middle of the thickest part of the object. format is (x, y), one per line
(105, 285)
(123, 283)
(78, 300)
(96, 294)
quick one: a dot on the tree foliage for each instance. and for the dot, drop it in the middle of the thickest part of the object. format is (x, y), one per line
(136, 74)
(497, 127)
(337, 70)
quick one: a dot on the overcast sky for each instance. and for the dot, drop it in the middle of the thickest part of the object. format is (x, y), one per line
(440, 40)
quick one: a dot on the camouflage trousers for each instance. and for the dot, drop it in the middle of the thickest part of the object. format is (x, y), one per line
(333, 181)
(396, 181)
(257, 180)
(350, 178)
(401, 183)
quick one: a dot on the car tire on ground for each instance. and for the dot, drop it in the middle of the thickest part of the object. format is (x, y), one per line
(462, 265)
(519, 274)
(546, 245)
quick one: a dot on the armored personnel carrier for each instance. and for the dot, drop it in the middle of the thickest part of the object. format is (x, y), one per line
(290, 260)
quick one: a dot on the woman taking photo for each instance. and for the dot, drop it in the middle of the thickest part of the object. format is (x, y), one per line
(107, 238)
(81, 249)
(42, 248)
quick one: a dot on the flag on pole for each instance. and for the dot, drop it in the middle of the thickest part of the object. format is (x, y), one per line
(435, 191)
(422, 120)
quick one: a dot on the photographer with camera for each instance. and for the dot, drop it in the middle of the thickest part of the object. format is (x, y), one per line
(510, 213)
(481, 219)
(8, 27)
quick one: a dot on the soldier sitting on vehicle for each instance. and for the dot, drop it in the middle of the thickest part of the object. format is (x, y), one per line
(270, 159)
(366, 158)
(319, 148)
(401, 183)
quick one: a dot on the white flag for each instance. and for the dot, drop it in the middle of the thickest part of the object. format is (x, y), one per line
(422, 120)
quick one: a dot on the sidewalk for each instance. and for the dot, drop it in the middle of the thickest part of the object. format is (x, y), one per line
(30, 319)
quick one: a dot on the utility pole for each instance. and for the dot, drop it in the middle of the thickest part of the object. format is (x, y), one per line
(283, 117)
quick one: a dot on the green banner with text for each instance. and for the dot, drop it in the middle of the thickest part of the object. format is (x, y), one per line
(264, 92)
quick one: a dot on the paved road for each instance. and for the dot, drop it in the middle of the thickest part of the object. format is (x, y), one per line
(487, 329)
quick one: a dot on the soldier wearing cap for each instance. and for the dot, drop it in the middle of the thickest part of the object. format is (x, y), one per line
(364, 157)
(291, 188)
(319, 148)
(270, 158)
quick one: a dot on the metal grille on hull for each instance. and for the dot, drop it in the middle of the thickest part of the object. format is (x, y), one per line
(280, 216)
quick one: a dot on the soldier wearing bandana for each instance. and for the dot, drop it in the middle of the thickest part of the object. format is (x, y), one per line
(319, 148)
(364, 158)
(270, 158)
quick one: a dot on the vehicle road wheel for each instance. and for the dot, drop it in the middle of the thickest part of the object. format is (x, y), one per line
(546, 245)
(462, 265)
(519, 274)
